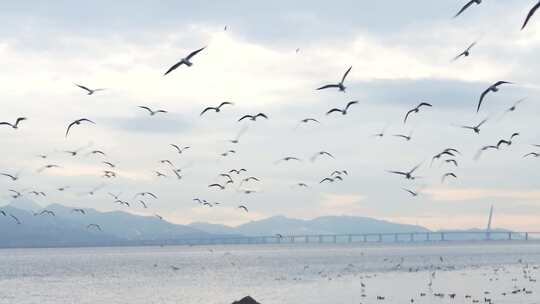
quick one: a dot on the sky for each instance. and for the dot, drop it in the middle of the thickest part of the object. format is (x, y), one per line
(401, 54)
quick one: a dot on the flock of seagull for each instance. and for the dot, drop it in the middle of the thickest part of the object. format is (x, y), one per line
(449, 155)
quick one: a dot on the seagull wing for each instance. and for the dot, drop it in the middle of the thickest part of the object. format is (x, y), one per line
(350, 104)
(174, 67)
(345, 75)
(466, 6)
(147, 109)
(481, 99)
(407, 115)
(530, 14)
(6, 124)
(208, 109)
(245, 116)
(334, 110)
(69, 127)
(328, 86)
(194, 53)
(261, 115)
(84, 88)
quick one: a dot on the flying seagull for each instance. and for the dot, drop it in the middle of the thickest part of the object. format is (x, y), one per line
(96, 226)
(411, 192)
(16, 219)
(179, 149)
(485, 148)
(493, 88)
(243, 207)
(144, 194)
(465, 53)
(339, 85)
(450, 174)
(152, 112)
(78, 122)
(416, 110)
(530, 14)
(15, 125)
(476, 128)
(321, 153)
(81, 211)
(405, 137)
(534, 154)
(185, 61)
(342, 111)
(90, 91)
(217, 186)
(466, 6)
(408, 174)
(13, 177)
(216, 109)
(253, 117)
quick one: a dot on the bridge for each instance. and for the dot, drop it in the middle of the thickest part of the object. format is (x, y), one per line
(363, 238)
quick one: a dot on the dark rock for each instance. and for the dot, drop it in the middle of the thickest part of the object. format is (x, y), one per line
(246, 300)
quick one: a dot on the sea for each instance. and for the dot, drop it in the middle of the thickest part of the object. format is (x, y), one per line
(477, 272)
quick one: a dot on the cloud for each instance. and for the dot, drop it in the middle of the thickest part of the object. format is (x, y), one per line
(464, 194)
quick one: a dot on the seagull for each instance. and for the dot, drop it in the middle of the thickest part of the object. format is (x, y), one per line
(339, 85)
(143, 204)
(90, 91)
(2, 212)
(179, 149)
(253, 117)
(307, 120)
(411, 192)
(121, 202)
(78, 122)
(485, 148)
(321, 153)
(49, 166)
(15, 125)
(16, 194)
(216, 109)
(513, 107)
(152, 112)
(303, 185)
(408, 175)
(16, 219)
(405, 137)
(81, 211)
(236, 140)
(48, 212)
(251, 178)
(13, 177)
(109, 174)
(95, 152)
(493, 88)
(225, 154)
(217, 186)
(342, 111)
(416, 110)
(159, 216)
(530, 14)
(289, 158)
(452, 161)
(327, 179)
(94, 226)
(476, 128)
(159, 174)
(185, 61)
(447, 175)
(237, 171)
(507, 142)
(465, 53)
(243, 207)
(534, 154)
(466, 6)
(144, 194)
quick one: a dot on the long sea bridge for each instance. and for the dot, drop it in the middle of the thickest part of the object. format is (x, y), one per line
(367, 238)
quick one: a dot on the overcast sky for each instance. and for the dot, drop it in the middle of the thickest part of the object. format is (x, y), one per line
(401, 54)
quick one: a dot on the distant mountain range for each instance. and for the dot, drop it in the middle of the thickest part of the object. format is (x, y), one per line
(320, 225)
(68, 228)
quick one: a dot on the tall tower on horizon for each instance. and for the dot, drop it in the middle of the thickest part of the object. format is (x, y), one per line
(488, 228)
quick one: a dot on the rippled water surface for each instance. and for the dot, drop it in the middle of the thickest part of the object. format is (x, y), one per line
(273, 274)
